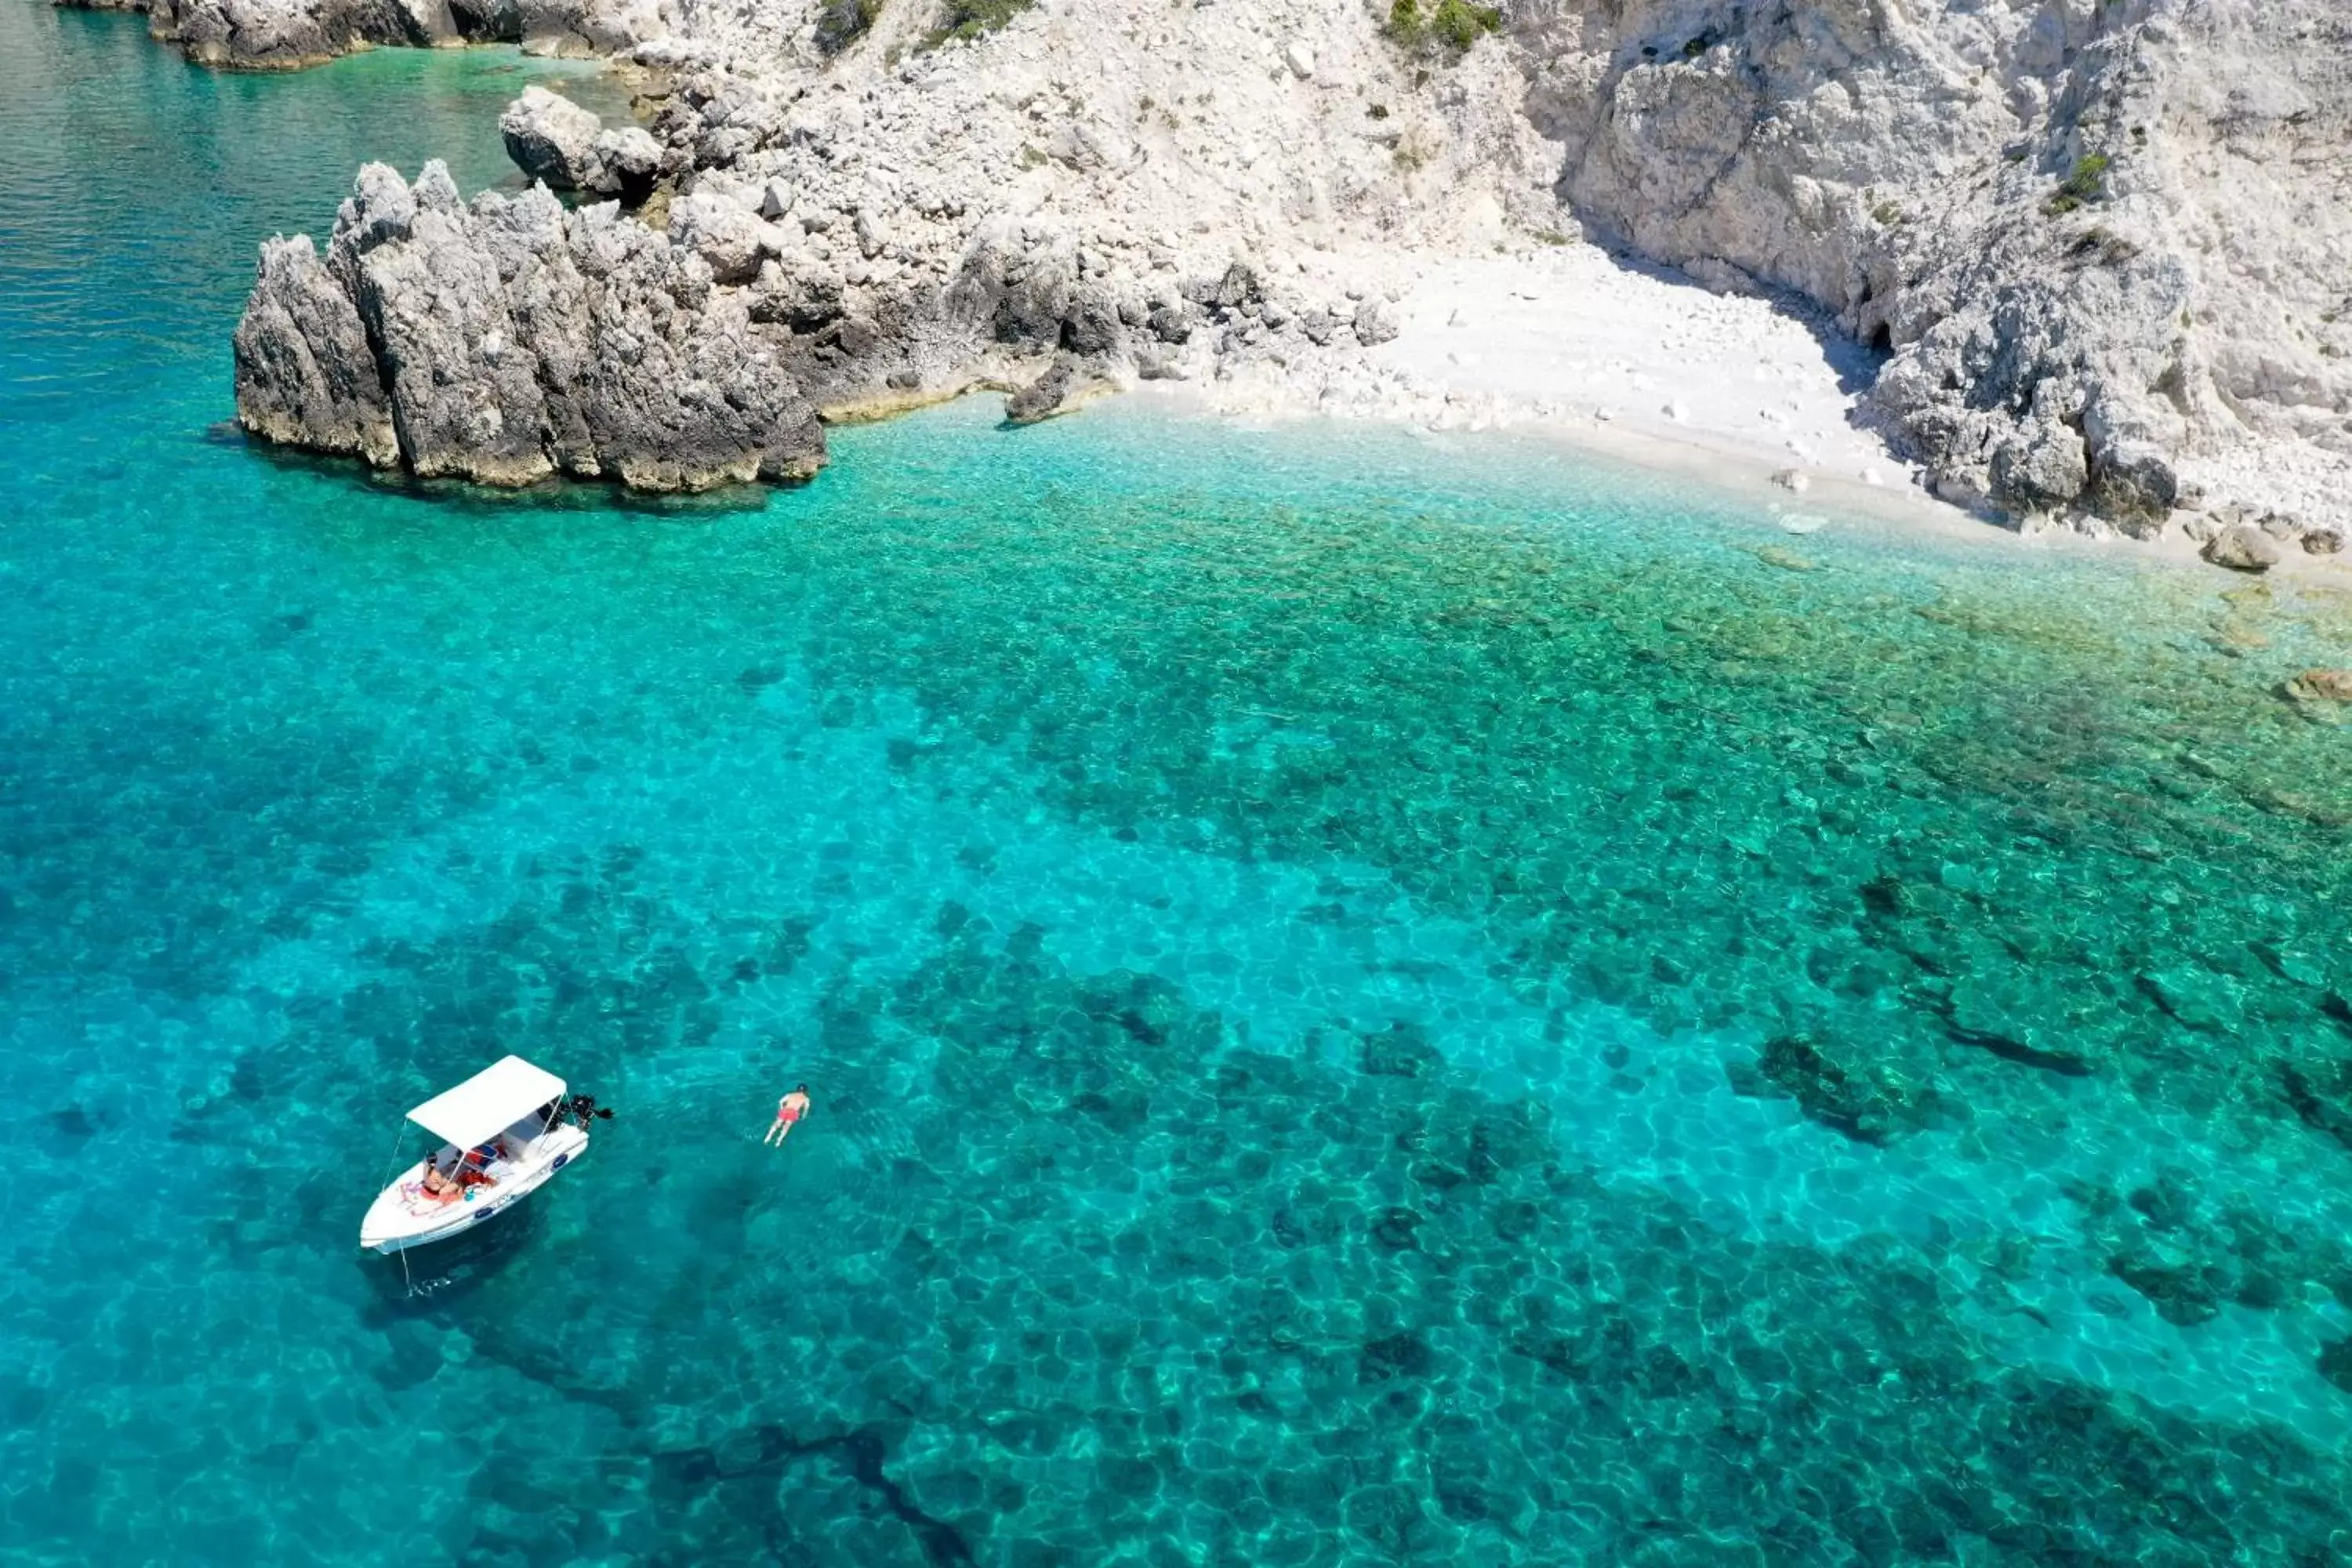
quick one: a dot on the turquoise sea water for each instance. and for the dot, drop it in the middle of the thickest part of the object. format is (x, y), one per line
(1370, 999)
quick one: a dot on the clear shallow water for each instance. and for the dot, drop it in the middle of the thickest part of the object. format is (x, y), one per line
(1370, 999)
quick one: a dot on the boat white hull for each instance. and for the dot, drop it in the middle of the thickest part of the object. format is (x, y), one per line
(404, 1216)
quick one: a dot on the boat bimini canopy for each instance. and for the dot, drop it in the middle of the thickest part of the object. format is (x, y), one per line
(488, 1103)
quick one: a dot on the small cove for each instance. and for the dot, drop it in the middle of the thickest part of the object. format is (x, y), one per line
(1370, 999)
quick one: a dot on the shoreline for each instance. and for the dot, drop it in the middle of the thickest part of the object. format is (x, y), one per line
(1893, 516)
(1740, 481)
(1753, 397)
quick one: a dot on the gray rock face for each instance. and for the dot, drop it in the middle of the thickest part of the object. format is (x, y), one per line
(305, 371)
(283, 34)
(2040, 468)
(278, 35)
(2046, 210)
(507, 341)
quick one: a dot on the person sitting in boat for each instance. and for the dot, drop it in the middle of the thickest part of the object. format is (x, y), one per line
(436, 1186)
(473, 1167)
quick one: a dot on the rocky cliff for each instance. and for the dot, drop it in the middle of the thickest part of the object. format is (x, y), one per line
(2107, 243)
(2104, 247)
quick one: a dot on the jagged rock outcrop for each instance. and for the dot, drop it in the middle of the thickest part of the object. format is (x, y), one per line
(508, 340)
(1044, 397)
(306, 373)
(283, 35)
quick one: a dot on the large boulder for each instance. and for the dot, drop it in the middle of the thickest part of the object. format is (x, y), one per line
(508, 340)
(625, 162)
(2042, 468)
(564, 146)
(1044, 397)
(551, 139)
(1376, 323)
(2241, 547)
(731, 238)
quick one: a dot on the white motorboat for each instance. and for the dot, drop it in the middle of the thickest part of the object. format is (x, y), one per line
(505, 1131)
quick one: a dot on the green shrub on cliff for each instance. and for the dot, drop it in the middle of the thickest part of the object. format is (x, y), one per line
(841, 22)
(2087, 181)
(1451, 24)
(971, 18)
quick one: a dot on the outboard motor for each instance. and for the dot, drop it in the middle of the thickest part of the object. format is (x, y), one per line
(583, 1109)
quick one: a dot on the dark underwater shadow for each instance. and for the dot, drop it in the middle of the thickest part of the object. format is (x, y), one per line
(428, 1282)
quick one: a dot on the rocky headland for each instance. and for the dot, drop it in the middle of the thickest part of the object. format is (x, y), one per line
(2091, 259)
(508, 340)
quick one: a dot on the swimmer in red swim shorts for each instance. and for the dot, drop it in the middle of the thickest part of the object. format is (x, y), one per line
(789, 1110)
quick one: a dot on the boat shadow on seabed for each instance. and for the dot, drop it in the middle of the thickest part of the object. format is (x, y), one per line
(448, 1272)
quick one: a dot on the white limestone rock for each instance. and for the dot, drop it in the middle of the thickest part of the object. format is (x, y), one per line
(552, 139)
(623, 163)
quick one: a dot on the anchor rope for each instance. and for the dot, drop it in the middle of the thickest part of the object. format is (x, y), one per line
(392, 1164)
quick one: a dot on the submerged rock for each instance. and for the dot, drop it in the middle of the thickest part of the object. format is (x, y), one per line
(2182, 1293)
(508, 340)
(2321, 686)
(2335, 1363)
(2321, 1096)
(1849, 1102)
